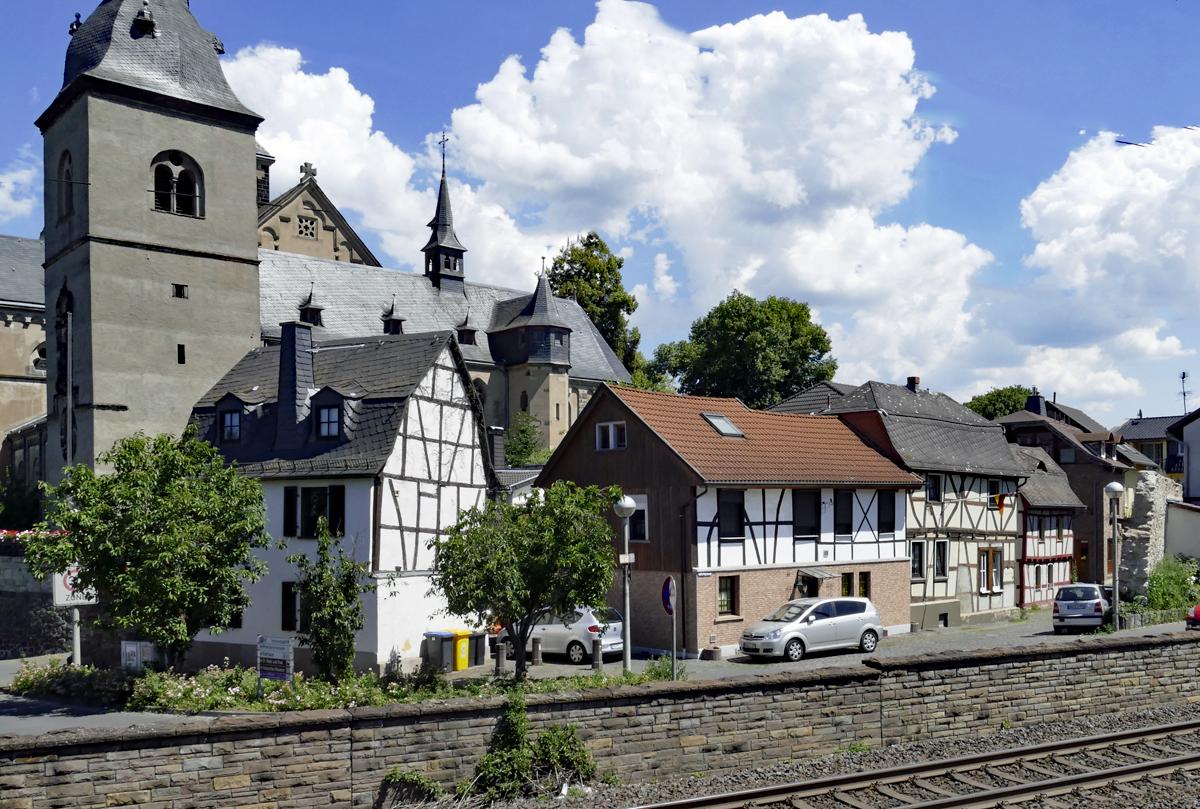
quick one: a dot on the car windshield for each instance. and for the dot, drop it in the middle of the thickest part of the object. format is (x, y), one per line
(1077, 594)
(788, 612)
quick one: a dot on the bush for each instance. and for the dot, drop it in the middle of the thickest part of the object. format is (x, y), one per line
(559, 754)
(81, 683)
(411, 786)
(1172, 583)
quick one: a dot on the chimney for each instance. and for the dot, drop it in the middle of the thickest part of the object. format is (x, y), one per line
(262, 165)
(914, 383)
(295, 381)
(1036, 403)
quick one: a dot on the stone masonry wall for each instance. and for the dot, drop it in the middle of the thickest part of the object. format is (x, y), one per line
(338, 758)
(1143, 533)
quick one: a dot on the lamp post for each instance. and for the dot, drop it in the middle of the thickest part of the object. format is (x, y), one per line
(1114, 491)
(625, 508)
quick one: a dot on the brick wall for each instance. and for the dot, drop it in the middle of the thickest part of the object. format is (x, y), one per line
(337, 758)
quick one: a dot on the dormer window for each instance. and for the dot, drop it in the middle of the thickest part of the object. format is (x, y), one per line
(178, 184)
(310, 315)
(466, 337)
(329, 422)
(723, 425)
(393, 325)
(231, 427)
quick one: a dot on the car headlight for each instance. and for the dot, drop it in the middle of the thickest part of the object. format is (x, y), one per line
(774, 635)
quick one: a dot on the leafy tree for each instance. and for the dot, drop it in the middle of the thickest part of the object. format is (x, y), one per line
(587, 271)
(508, 562)
(329, 597)
(999, 402)
(758, 351)
(522, 440)
(166, 539)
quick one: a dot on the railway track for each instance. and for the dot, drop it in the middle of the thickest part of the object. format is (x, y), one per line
(1132, 762)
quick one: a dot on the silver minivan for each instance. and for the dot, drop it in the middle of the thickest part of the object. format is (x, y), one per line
(813, 624)
(573, 634)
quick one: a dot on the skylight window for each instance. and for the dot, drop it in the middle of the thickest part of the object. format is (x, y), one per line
(723, 425)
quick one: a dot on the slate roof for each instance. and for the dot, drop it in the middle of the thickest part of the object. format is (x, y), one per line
(931, 431)
(179, 62)
(1068, 432)
(354, 298)
(778, 448)
(511, 479)
(442, 225)
(1047, 486)
(22, 279)
(1085, 422)
(814, 399)
(1153, 428)
(379, 374)
(1133, 456)
(540, 310)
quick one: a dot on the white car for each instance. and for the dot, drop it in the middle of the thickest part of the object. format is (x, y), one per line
(813, 624)
(573, 634)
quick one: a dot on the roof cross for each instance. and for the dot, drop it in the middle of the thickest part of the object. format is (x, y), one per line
(308, 172)
(443, 143)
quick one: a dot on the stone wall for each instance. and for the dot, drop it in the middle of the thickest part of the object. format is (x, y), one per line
(1143, 533)
(338, 758)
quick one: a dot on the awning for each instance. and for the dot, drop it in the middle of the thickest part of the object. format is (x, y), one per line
(817, 573)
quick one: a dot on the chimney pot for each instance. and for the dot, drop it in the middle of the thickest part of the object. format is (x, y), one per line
(914, 383)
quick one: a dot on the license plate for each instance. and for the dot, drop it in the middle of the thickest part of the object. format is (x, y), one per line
(750, 647)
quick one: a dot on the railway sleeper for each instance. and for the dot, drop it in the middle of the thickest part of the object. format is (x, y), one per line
(963, 779)
(1000, 775)
(895, 794)
(929, 786)
(1128, 751)
(850, 800)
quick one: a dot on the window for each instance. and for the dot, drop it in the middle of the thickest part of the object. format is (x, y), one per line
(864, 585)
(1037, 575)
(887, 511)
(303, 507)
(847, 584)
(181, 354)
(610, 435)
(66, 186)
(727, 595)
(637, 523)
(521, 337)
(525, 404)
(933, 488)
(1050, 529)
(179, 291)
(231, 426)
(329, 424)
(393, 325)
(991, 571)
(723, 425)
(538, 336)
(558, 337)
(843, 513)
(294, 613)
(916, 552)
(993, 494)
(557, 411)
(178, 184)
(466, 337)
(306, 227)
(806, 513)
(731, 507)
(941, 559)
(1152, 450)
(310, 315)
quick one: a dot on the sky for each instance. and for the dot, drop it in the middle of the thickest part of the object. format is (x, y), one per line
(942, 182)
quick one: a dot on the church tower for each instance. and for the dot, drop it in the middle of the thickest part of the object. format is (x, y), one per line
(150, 227)
(443, 252)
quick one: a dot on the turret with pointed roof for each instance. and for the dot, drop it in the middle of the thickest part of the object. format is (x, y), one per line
(443, 252)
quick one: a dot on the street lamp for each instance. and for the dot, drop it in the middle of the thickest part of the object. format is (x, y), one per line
(1114, 491)
(625, 508)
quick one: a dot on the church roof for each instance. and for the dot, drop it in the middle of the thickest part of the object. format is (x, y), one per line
(541, 309)
(177, 59)
(355, 297)
(22, 280)
(442, 224)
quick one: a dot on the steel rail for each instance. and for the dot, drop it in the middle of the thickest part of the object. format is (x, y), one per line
(931, 769)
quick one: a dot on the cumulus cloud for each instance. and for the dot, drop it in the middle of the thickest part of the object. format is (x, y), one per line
(20, 186)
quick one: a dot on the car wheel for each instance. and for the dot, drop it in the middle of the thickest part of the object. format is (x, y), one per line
(869, 641)
(576, 653)
(1058, 630)
(794, 650)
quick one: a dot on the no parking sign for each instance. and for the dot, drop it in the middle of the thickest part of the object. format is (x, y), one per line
(668, 595)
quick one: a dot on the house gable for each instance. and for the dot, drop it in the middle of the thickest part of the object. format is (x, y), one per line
(304, 220)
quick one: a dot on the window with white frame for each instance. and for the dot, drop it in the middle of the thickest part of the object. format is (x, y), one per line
(610, 435)
(806, 513)
(637, 523)
(330, 422)
(916, 552)
(933, 488)
(731, 509)
(843, 514)
(991, 570)
(231, 426)
(994, 495)
(941, 559)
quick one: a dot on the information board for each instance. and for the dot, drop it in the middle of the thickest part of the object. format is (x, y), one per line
(276, 658)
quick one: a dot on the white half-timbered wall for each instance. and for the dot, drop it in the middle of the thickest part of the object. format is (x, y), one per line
(769, 540)
(971, 523)
(1048, 549)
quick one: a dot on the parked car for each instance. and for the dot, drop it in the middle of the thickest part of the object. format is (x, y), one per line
(813, 624)
(1081, 605)
(1192, 619)
(573, 634)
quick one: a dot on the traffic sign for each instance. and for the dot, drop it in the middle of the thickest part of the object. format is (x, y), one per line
(668, 595)
(65, 594)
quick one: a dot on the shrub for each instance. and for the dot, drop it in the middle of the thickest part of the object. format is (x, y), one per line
(559, 754)
(659, 669)
(77, 683)
(1172, 583)
(411, 786)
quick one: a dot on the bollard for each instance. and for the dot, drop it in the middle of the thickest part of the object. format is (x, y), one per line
(537, 651)
(597, 658)
(501, 655)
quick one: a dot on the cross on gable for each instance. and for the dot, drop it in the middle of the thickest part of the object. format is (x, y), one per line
(307, 172)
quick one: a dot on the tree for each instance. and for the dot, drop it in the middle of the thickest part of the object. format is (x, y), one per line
(758, 351)
(166, 539)
(329, 598)
(999, 402)
(508, 562)
(587, 271)
(522, 440)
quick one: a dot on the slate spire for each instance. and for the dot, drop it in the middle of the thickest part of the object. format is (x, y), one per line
(444, 252)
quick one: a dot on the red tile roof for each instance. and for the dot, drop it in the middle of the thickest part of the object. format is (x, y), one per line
(778, 448)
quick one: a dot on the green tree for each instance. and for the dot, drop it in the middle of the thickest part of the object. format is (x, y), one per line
(329, 598)
(166, 539)
(758, 351)
(522, 440)
(587, 271)
(509, 562)
(999, 402)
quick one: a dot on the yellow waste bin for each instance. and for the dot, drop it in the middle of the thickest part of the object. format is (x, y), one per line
(462, 648)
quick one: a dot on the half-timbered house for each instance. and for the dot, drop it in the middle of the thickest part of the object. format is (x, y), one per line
(962, 546)
(745, 509)
(1047, 507)
(383, 437)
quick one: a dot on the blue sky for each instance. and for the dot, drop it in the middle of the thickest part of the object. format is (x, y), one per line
(1023, 90)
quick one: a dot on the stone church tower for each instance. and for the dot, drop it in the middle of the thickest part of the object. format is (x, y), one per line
(150, 231)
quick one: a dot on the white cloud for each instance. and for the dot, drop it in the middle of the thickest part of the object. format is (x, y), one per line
(664, 285)
(20, 186)
(1084, 377)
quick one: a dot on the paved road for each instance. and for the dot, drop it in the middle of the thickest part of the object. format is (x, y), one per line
(25, 716)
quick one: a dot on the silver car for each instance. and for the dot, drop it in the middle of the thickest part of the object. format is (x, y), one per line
(813, 624)
(573, 634)
(1081, 605)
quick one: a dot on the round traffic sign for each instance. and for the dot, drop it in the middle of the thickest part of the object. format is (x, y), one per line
(668, 595)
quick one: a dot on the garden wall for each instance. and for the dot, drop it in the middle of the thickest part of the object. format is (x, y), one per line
(338, 758)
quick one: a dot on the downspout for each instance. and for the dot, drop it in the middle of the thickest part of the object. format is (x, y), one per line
(683, 553)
